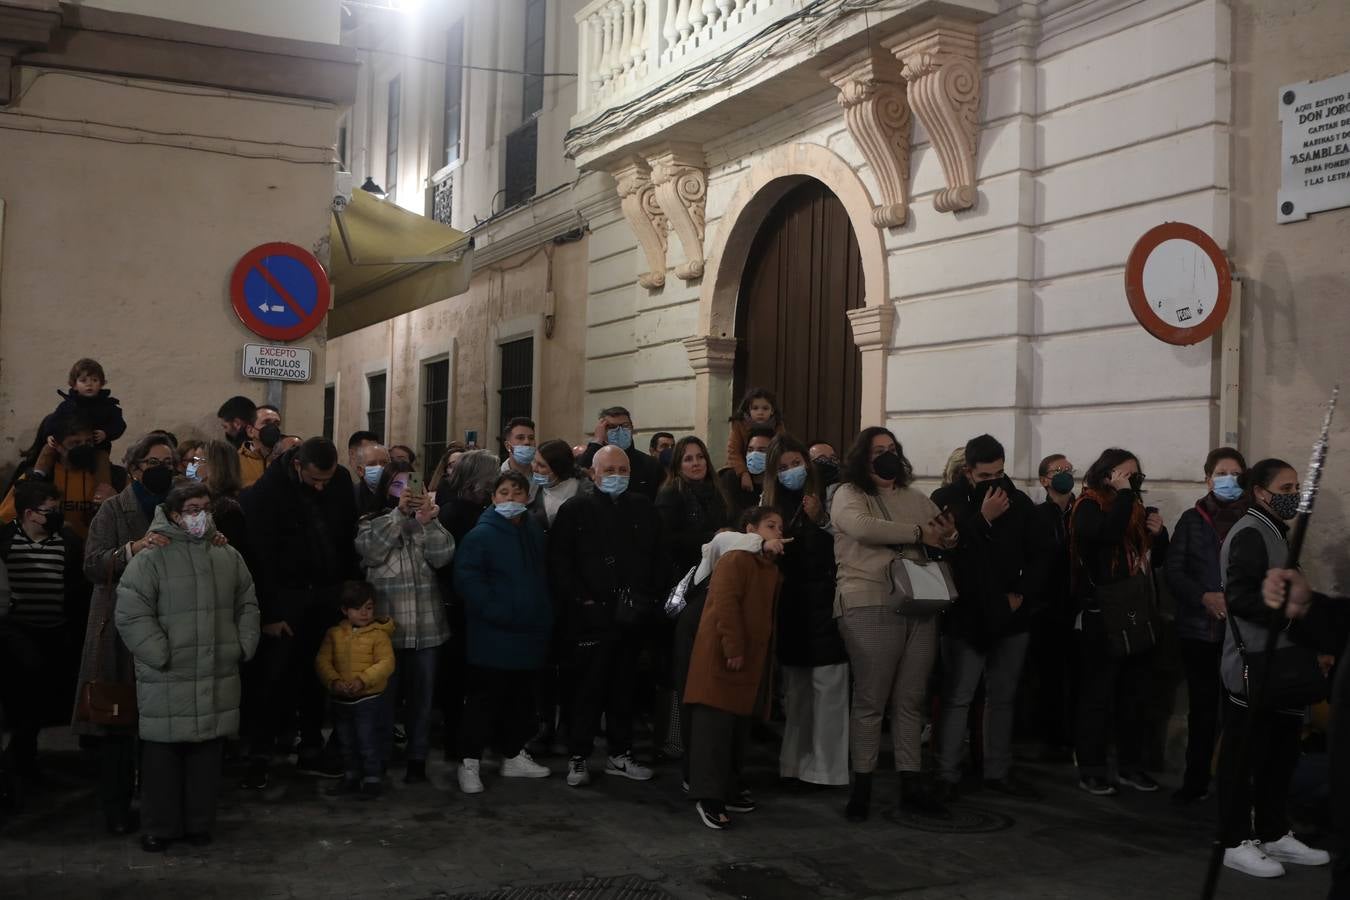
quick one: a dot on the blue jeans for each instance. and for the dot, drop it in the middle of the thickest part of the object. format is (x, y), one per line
(415, 673)
(358, 728)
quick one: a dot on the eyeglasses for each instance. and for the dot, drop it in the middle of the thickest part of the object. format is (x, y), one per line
(151, 462)
(193, 510)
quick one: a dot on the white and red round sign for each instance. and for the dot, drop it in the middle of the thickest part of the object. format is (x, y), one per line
(1178, 283)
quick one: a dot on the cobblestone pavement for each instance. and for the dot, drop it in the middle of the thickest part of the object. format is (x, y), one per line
(617, 838)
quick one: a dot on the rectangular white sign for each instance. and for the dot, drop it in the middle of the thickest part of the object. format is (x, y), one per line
(276, 362)
(1315, 148)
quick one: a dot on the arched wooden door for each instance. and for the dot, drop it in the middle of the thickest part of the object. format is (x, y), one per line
(803, 274)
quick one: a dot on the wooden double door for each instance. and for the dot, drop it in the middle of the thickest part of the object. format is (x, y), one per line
(802, 276)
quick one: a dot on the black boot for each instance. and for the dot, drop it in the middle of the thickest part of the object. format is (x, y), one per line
(416, 772)
(860, 797)
(916, 796)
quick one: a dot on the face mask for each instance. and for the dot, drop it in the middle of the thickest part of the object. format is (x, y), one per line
(523, 454)
(1226, 487)
(614, 485)
(1137, 482)
(1284, 505)
(157, 480)
(191, 471)
(829, 472)
(269, 435)
(665, 456)
(510, 509)
(372, 475)
(83, 457)
(541, 480)
(754, 461)
(195, 523)
(621, 437)
(1062, 482)
(793, 479)
(887, 466)
(52, 520)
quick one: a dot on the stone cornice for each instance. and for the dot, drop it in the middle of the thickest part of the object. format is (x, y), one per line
(711, 355)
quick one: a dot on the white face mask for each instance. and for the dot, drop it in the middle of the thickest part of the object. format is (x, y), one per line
(195, 524)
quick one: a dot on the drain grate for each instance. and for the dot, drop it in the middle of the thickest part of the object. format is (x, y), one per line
(621, 887)
(964, 819)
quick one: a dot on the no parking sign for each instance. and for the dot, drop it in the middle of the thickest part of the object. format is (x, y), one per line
(279, 291)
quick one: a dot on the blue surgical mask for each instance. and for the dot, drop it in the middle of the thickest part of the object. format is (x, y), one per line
(793, 479)
(614, 485)
(372, 475)
(523, 454)
(191, 471)
(541, 480)
(1226, 487)
(621, 437)
(510, 509)
(754, 461)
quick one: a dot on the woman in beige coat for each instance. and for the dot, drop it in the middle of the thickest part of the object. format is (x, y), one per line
(877, 517)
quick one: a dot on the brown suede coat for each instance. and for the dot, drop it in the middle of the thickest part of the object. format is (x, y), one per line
(738, 620)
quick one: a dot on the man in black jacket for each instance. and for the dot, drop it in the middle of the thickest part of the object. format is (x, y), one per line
(301, 518)
(1053, 653)
(604, 553)
(615, 429)
(998, 565)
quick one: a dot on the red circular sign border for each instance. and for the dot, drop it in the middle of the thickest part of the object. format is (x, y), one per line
(1134, 284)
(244, 311)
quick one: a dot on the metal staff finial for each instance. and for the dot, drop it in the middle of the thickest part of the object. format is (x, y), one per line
(1313, 477)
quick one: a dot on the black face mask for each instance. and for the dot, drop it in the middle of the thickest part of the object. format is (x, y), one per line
(53, 520)
(829, 472)
(983, 488)
(84, 457)
(887, 466)
(665, 456)
(1137, 482)
(269, 435)
(158, 480)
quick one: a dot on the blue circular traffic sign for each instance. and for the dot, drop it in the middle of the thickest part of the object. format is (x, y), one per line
(279, 291)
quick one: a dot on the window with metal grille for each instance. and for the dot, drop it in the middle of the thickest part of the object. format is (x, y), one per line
(454, 90)
(442, 199)
(376, 385)
(329, 409)
(521, 153)
(532, 92)
(435, 413)
(391, 135)
(517, 381)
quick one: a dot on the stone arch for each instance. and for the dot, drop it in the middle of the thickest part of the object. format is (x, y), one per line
(765, 182)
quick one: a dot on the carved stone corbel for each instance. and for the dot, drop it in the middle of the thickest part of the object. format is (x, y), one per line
(940, 60)
(710, 355)
(681, 177)
(637, 196)
(872, 93)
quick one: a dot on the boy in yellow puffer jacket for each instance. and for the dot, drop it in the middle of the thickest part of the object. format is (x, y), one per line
(354, 664)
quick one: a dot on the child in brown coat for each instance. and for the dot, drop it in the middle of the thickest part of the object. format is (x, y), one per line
(758, 407)
(731, 670)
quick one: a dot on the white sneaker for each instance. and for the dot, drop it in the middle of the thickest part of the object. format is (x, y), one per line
(578, 772)
(1290, 849)
(1248, 858)
(628, 767)
(522, 765)
(470, 782)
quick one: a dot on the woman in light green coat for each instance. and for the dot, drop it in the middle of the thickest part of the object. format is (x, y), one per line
(187, 614)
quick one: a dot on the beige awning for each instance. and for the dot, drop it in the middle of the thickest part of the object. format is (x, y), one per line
(385, 261)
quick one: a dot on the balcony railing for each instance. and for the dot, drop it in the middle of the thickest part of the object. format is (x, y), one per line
(628, 46)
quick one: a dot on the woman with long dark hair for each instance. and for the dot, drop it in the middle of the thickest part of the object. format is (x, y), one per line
(1113, 538)
(556, 481)
(878, 518)
(1260, 746)
(810, 650)
(401, 546)
(690, 504)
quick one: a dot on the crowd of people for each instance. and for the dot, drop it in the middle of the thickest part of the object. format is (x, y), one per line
(247, 591)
